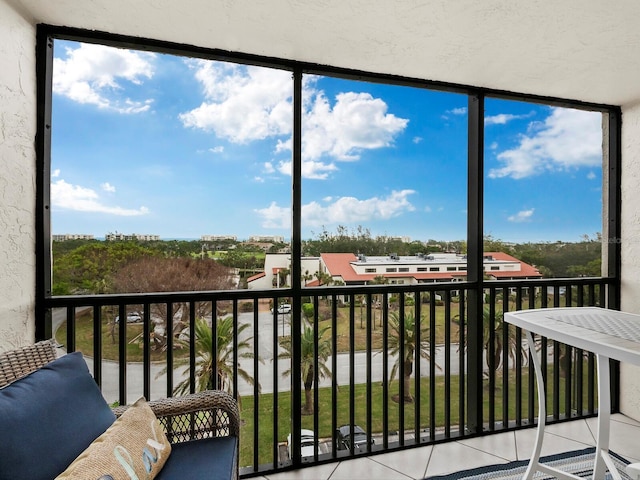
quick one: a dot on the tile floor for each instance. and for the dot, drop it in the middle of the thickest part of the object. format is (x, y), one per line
(418, 463)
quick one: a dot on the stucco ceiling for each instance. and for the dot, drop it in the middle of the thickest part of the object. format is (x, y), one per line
(585, 50)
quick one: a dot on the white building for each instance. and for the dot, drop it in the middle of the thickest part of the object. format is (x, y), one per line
(435, 267)
(353, 269)
(71, 236)
(218, 238)
(141, 237)
(277, 263)
(266, 238)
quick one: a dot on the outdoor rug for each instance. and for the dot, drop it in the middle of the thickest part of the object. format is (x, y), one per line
(579, 462)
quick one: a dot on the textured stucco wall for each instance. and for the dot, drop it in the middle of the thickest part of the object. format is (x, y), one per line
(17, 178)
(630, 294)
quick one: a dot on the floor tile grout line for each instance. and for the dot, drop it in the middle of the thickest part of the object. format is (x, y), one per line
(426, 468)
(396, 470)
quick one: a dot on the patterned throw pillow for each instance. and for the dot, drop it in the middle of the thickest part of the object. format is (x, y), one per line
(134, 447)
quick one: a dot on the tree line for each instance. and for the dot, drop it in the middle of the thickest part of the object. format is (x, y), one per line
(94, 266)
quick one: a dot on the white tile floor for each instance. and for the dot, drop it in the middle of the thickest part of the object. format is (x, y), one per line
(418, 463)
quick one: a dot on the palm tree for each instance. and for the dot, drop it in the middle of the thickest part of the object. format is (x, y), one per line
(514, 342)
(283, 273)
(378, 280)
(310, 350)
(307, 277)
(408, 347)
(224, 356)
(323, 278)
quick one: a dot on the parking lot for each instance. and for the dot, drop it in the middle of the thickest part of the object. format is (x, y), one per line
(325, 444)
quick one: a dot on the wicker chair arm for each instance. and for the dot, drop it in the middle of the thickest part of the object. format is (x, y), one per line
(22, 361)
(215, 402)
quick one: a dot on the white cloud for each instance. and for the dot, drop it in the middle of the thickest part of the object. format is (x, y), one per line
(342, 210)
(55, 173)
(274, 216)
(566, 139)
(591, 176)
(107, 187)
(218, 149)
(522, 216)
(458, 111)
(244, 104)
(310, 169)
(356, 122)
(504, 118)
(241, 104)
(81, 199)
(268, 167)
(417, 140)
(94, 74)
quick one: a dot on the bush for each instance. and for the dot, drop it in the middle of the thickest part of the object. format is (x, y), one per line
(307, 311)
(245, 307)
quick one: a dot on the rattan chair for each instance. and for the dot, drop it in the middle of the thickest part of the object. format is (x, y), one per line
(207, 414)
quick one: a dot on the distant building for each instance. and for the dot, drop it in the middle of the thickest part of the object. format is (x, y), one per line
(266, 239)
(71, 236)
(120, 237)
(353, 269)
(278, 264)
(218, 238)
(427, 268)
(403, 239)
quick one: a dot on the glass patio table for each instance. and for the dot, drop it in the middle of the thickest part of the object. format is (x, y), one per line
(609, 334)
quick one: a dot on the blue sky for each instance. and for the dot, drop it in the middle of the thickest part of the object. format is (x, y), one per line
(155, 144)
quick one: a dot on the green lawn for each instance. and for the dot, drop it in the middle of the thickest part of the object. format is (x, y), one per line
(265, 411)
(110, 337)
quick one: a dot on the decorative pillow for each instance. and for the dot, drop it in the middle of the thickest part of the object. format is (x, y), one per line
(48, 418)
(134, 447)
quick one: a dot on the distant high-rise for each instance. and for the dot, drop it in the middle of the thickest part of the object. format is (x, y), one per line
(142, 237)
(71, 236)
(218, 238)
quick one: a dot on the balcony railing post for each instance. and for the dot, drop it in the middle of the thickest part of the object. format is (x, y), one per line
(296, 258)
(475, 267)
(44, 76)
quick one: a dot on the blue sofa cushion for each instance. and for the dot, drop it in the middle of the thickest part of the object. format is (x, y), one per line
(135, 446)
(48, 418)
(211, 458)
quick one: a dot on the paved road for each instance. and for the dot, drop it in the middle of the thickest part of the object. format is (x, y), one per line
(265, 369)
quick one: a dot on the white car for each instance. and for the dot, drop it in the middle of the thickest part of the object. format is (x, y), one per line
(307, 443)
(131, 318)
(283, 308)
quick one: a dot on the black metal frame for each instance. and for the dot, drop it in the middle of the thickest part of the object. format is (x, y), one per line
(471, 305)
(513, 408)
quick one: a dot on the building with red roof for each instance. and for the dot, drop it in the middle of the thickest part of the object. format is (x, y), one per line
(353, 269)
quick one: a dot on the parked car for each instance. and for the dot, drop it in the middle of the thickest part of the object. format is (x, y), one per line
(283, 308)
(307, 443)
(132, 317)
(343, 438)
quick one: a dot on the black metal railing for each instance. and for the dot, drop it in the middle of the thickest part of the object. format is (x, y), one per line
(391, 359)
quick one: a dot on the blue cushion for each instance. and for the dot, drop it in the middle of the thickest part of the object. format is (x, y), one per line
(48, 418)
(211, 458)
